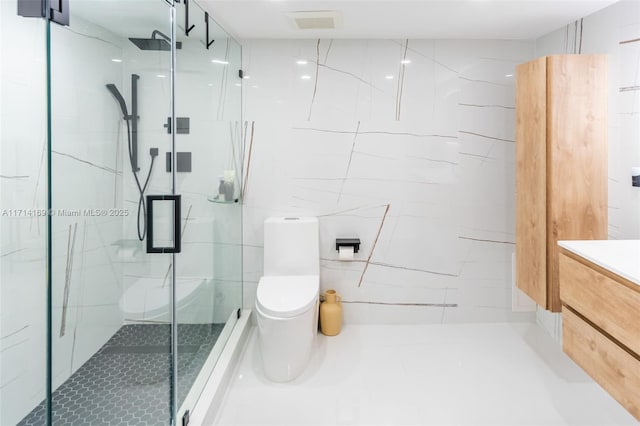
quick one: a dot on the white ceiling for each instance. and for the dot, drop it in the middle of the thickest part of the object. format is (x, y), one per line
(469, 19)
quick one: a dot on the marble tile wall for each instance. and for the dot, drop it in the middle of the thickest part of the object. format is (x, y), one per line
(614, 31)
(406, 144)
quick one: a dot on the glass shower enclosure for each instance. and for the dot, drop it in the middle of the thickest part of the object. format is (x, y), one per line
(121, 257)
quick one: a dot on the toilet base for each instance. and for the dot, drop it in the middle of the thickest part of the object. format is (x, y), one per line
(286, 344)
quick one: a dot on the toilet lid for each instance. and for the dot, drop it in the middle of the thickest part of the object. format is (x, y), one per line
(287, 296)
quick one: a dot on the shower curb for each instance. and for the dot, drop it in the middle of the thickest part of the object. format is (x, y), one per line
(206, 408)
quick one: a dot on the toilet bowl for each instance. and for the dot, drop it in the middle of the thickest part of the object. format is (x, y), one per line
(149, 298)
(287, 296)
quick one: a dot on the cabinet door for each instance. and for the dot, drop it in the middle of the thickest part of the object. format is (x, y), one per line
(531, 185)
(577, 156)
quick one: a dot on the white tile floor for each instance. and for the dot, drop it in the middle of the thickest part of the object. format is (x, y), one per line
(474, 374)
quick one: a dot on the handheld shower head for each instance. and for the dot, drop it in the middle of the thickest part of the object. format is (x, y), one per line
(116, 94)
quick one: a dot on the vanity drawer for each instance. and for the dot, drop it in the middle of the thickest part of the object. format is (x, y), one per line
(615, 369)
(607, 303)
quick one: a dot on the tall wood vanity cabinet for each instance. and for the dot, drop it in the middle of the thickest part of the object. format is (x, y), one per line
(561, 165)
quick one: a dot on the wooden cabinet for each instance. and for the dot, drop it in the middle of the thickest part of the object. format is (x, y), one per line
(601, 327)
(610, 302)
(561, 165)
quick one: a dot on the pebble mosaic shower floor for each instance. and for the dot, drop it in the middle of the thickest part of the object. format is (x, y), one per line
(127, 382)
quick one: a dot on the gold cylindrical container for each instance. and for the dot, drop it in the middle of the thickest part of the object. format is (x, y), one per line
(331, 314)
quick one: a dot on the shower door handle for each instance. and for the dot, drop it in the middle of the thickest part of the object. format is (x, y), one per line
(177, 237)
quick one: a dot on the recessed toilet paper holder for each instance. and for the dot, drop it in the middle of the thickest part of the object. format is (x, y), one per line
(348, 242)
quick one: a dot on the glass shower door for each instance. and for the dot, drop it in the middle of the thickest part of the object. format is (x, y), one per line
(209, 268)
(111, 300)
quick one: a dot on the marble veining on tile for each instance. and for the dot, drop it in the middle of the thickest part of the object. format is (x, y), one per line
(67, 276)
(14, 177)
(401, 74)
(105, 168)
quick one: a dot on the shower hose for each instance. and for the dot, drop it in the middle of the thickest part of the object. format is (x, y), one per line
(142, 205)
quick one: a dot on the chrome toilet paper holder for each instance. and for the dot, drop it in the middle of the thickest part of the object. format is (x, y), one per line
(348, 242)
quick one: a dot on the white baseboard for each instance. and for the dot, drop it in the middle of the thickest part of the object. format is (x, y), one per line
(520, 302)
(551, 323)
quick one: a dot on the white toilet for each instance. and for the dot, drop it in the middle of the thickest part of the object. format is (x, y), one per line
(287, 297)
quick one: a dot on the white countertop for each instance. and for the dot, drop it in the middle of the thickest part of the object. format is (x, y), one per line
(622, 257)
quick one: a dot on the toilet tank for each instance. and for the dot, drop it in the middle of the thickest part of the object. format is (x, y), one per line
(291, 246)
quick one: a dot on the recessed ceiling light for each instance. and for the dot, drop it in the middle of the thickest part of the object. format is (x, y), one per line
(305, 77)
(238, 84)
(218, 61)
(160, 75)
(116, 60)
(247, 77)
(301, 62)
(388, 77)
(508, 75)
(210, 84)
(405, 61)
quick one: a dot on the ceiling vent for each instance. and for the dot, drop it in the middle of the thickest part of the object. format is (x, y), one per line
(316, 19)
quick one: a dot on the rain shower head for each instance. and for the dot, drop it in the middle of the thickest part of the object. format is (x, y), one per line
(116, 94)
(153, 43)
(150, 44)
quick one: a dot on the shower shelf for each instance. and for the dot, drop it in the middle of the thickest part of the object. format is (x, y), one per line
(215, 200)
